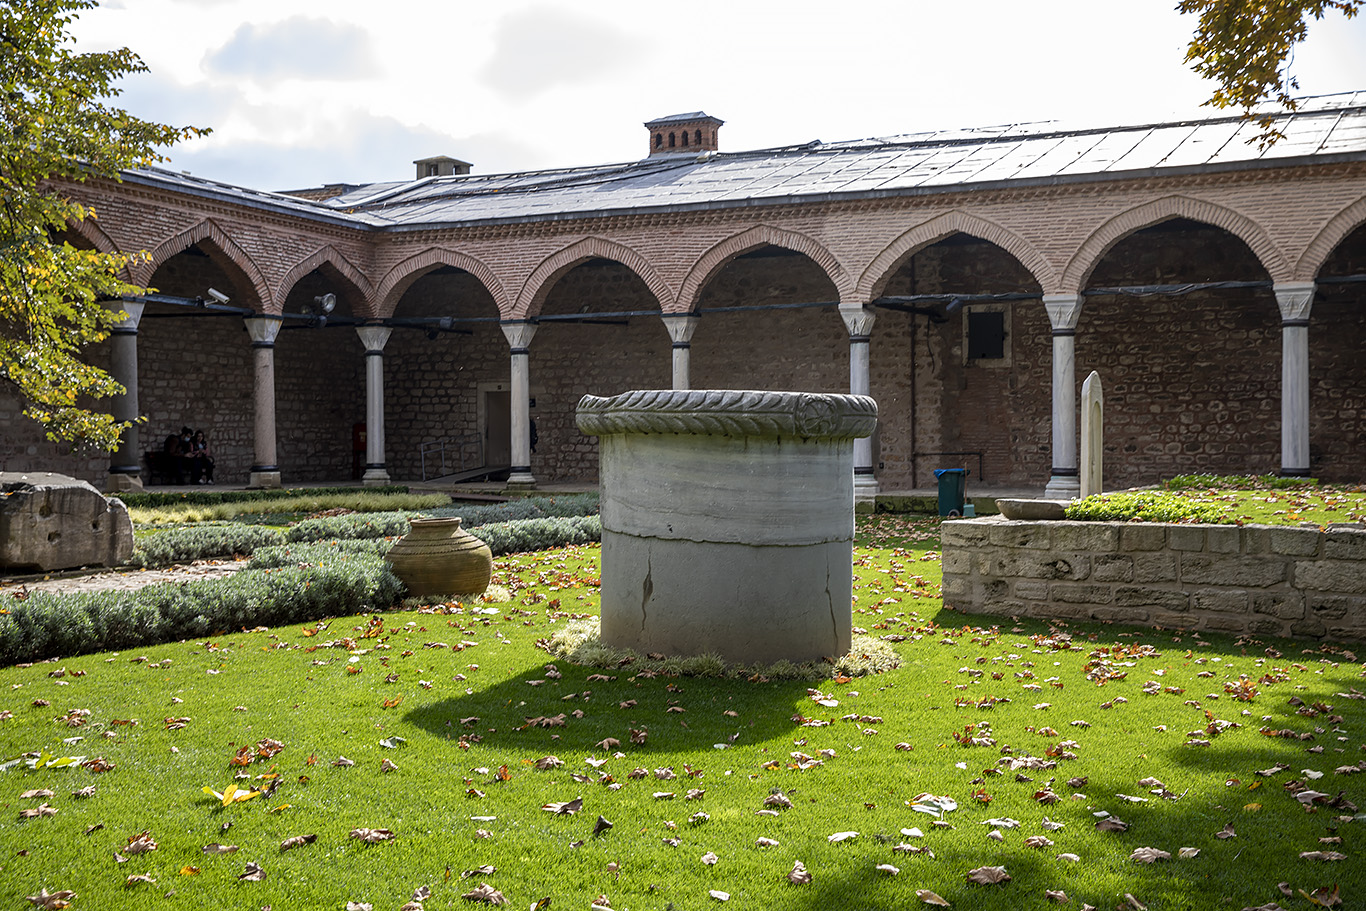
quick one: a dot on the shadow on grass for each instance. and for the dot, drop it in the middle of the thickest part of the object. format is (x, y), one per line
(577, 714)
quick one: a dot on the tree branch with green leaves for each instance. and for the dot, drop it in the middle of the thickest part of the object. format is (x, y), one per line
(58, 127)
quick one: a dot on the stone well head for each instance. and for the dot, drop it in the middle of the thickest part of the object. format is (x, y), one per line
(728, 520)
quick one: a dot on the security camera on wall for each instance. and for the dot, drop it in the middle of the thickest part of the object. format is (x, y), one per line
(324, 303)
(218, 296)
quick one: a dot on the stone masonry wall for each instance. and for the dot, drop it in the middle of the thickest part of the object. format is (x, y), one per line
(1253, 579)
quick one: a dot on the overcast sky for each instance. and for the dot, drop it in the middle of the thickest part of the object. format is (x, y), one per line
(301, 94)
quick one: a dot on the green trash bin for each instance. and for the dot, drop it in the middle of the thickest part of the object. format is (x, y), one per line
(953, 485)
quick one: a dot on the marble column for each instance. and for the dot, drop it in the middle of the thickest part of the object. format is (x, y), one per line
(374, 339)
(263, 329)
(125, 463)
(681, 327)
(859, 321)
(519, 333)
(1063, 312)
(1295, 300)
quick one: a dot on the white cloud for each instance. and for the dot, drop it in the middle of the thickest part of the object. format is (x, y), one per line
(300, 47)
(543, 48)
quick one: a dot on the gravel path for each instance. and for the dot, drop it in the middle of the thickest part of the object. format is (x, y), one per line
(118, 579)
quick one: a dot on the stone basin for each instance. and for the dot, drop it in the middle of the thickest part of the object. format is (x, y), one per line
(728, 520)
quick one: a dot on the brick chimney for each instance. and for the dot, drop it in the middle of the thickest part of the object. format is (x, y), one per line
(441, 166)
(692, 132)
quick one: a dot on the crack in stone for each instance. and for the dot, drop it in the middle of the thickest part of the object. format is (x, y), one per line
(648, 590)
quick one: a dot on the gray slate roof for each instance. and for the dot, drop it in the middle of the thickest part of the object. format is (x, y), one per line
(1325, 129)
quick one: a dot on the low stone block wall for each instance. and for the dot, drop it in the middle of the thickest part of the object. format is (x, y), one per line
(1259, 579)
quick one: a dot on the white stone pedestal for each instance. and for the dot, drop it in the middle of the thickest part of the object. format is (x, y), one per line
(728, 521)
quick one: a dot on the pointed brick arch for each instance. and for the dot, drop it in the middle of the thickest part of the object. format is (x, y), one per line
(208, 230)
(722, 253)
(538, 285)
(1090, 253)
(876, 276)
(88, 229)
(1327, 240)
(401, 277)
(328, 255)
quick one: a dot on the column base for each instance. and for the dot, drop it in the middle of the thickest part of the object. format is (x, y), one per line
(123, 482)
(375, 477)
(268, 479)
(865, 492)
(1063, 487)
(521, 479)
(1295, 472)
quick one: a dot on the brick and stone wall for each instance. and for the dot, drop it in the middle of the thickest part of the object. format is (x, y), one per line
(1252, 579)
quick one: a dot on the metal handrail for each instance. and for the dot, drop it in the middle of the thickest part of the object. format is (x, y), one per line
(462, 445)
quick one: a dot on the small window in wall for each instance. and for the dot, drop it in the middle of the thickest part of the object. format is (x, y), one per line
(685, 139)
(672, 138)
(698, 136)
(659, 140)
(986, 335)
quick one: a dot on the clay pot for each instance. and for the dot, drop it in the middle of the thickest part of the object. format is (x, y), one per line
(439, 558)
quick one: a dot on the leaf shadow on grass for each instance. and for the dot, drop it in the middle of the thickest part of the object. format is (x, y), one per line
(498, 715)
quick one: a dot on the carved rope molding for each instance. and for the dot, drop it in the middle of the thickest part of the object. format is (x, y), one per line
(736, 413)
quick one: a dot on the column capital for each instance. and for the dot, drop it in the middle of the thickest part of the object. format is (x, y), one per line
(1063, 310)
(132, 315)
(263, 328)
(1294, 298)
(518, 332)
(680, 326)
(858, 320)
(374, 338)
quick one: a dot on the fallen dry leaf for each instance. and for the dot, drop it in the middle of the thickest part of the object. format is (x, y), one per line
(140, 843)
(1328, 898)
(1322, 855)
(888, 869)
(799, 875)
(1111, 824)
(52, 900)
(710, 859)
(931, 898)
(1188, 853)
(1226, 832)
(988, 875)
(138, 878)
(35, 812)
(297, 841)
(216, 848)
(1149, 855)
(41, 792)
(567, 807)
(253, 873)
(485, 893)
(1059, 896)
(372, 836)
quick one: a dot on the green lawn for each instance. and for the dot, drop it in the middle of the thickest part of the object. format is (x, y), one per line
(849, 755)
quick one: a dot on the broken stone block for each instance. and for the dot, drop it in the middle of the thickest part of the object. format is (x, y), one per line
(52, 521)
